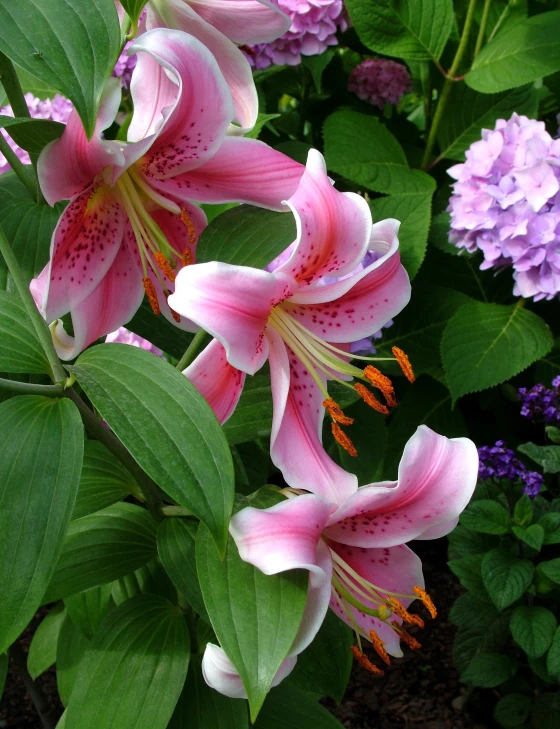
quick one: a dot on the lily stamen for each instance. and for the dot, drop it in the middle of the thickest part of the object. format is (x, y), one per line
(336, 412)
(404, 363)
(400, 610)
(379, 647)
(165, 266)
(150, 290)
(411, 642)
(186, 220)
(426, 599)
(364, 661)
(343, 440)
(369, 398)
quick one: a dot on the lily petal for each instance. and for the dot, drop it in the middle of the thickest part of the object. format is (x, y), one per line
(333, 228)
(295, 442)
(437, 476)
(218, 382)
(233, 304)
(244, 21)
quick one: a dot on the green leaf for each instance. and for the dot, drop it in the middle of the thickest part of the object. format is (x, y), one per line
(416, 30)
(167, 426)
(243, 604)
(551, 569)
(41, 448)
(523, 512)
(546, 711)
(487, 637)
(486, 516)
(546, 456)
(469, 571)
(133, 8)
(70, 650)
(102, 547)
(176, 540)
(132, 675)
(463, 542)
(362, 149)
(88, 609)
(468, 112)
(533, 535)
(486, 344)
(470, 612)
(549, 367)
(551, 525)
(286, 707)
(505, 577)
(71, 47)
(553, 657)
(533, 629)
(42, 650)
(262, 120)
(31, 134)
(103, 482)
(252, 418)
(513, 710)
(518, 55)
(489, 670)
(150, 579)
(324, 667)
(317, 64)
(21, 351)
(246, 236)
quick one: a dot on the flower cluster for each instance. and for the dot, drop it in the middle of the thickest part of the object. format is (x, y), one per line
(541, 403)
(499, 461)
(56, 109)
(506, 204)
(380, 81)
(315, 24)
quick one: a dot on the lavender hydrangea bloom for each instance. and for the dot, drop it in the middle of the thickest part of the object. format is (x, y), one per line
(541, 403)
(124, 336)
(125, 66)
(314, 27)
(499, 461)
(506, 203)
(56, 109)
(380, 81)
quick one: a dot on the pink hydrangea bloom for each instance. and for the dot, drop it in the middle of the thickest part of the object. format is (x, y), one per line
(380, 81)
(56, 109)
(125, 336)
(314, 27)
(506, 203)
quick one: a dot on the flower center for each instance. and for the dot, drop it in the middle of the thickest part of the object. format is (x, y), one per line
(319, 356)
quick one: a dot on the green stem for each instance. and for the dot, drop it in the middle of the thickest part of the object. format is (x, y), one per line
(503, 16)
(28, 388)
(12, 87)
(58, 375)
(197, 343)
(18, 167)
(448, 84)
(482, 29)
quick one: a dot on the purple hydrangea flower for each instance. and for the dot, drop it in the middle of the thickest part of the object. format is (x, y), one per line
(499, 461)
(56, 109)
(506, 203)
(125, 66)
(541, 403)
(380, 81)
(314, 27)
(124, 336)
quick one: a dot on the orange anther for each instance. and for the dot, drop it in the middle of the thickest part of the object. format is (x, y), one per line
(150, 290)
(370, 399)
(186, 220)
(364, 661)
(408, 639)
(336, 413)
(426, 599)
(174, 314)
(383, 383)
(165, 266)
(343, 440)
(404, 363)
(379, 646)
(186, 258)
(400, 610)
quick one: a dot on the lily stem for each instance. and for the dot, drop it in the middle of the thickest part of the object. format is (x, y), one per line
(197, 343)
(12, 87)
(57, 373)
(28, 388)
(21, 170)
(46, 713)
(448, 85)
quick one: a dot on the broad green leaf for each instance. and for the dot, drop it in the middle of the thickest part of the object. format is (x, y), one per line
(533, 535)
(551, 525)
(464, 542)
(486, 516)
(252, 418)
(551, 569)
(70, 650)
(533, 629)
(262, 120)
(546, 711)
(468, 112)
(505, 577)
(523, 512)
(200, 707)
(490, 669)
(21, 351)
(362, 149)
(487, 637)
(519, 55)
(133, 8)
(31, 134)
(150, 579)
(167, 426)
(41, 449)
(469, 612)
(69, 46)
(159, 331)
(513, 710)
(42, 650)
(549, 367)
(416, 30)
(286, 707)
(317, 65)
(486, 344)
(246, 236)
(133, 673)
(88, 609)
(553, 657)
(176, 540)
(469, 571)
(102, 547)
(103, 482)
(243, 605)
(546, 456)
(35, 86)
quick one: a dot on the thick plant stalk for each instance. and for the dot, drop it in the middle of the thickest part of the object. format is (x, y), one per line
(29, 388)
(197, 343)
(17, 166)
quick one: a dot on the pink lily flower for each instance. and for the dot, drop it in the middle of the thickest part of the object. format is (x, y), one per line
(373, 576)
(220, 25)
(130, 222)
(291, 317)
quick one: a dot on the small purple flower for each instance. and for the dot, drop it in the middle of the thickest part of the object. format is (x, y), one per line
(541, 403)
(125, 66)
(499, 462)
(380, 81)
(124, 336)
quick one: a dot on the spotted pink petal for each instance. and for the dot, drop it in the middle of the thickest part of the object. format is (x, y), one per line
(242, 170)
(437, 476)
(233, 304)
(218, 382)
(333, 228)
(68, 165)
(84, 245)
(295, 443)
(244, 21)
